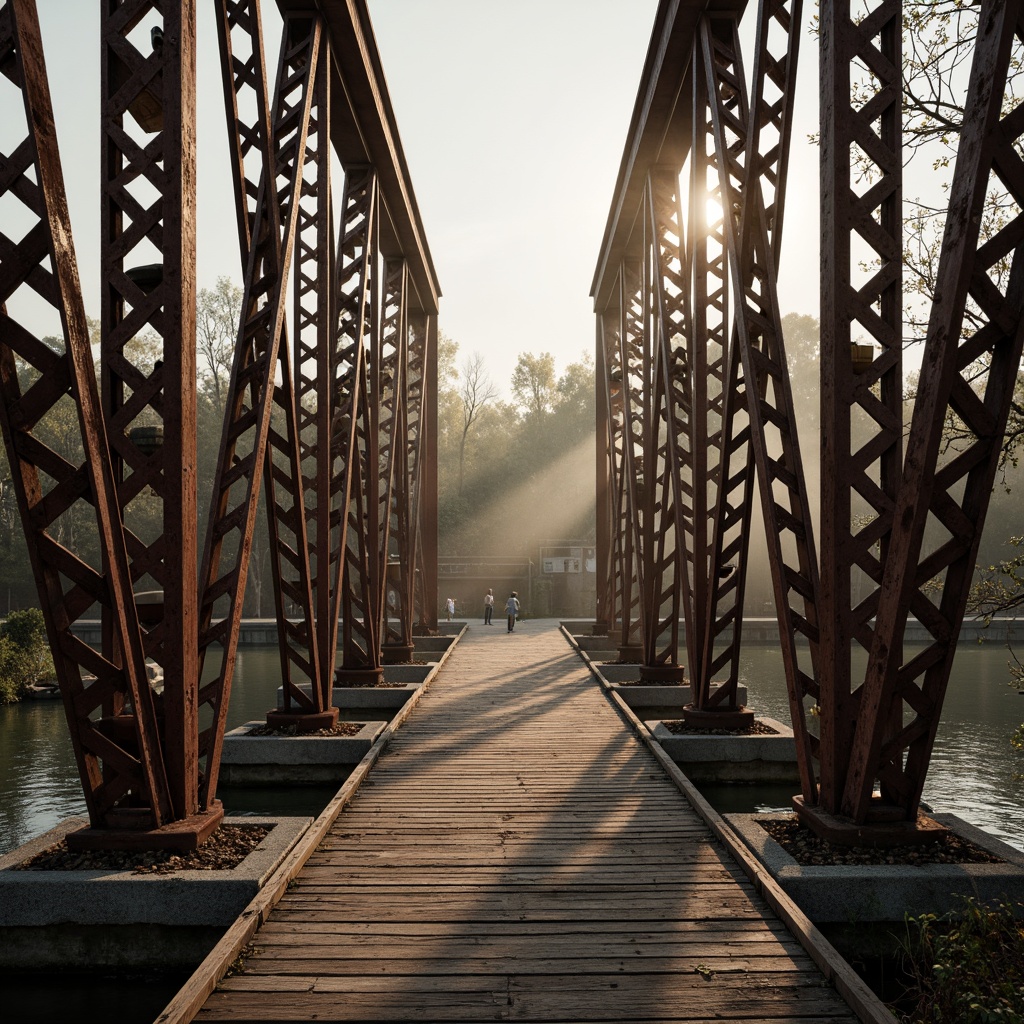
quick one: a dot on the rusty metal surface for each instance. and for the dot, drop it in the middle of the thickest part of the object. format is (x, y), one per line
(901, 700)
(246, 90)
(862, 414)
(736, 428)
(50, 484)
(361, 389)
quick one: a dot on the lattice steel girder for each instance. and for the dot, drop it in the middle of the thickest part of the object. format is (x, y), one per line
(393, 432)
(364, 132)
(251, 392)
(618, 555)
(861, 408)
(769, 397)
(604, 507)
(427, 523)
(765, 153)
(356, 294)
(147, 249)
(670, 416)
(632, 482)
(408, 483)
(48, 485)
(952, 497)
(247, 107)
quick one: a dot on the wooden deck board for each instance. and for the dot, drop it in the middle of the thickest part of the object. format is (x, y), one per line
(517, 854)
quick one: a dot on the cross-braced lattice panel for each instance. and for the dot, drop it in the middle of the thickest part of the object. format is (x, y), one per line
(969, 373)
(58, 455)
(392, 432)
(669, 389)
(356, 459)
(770, 408)
(861, 348)
(253, 388)
(249, 135)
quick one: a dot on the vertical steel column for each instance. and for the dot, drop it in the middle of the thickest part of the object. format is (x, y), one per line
(633, 483)
(356, 298)
(247, 108)
(252, 392)
(761, 350)
(428, 493)
(619, 566)
(861, 399)
(604, 536)
(660, 539)
(314, 323)
(394, 440)
(950, 499)
(723, 468)
(674, 402)
(148, 283)
(408, 483)
(48, 484)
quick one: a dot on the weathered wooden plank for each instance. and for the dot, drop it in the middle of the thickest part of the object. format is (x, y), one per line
(518, 855)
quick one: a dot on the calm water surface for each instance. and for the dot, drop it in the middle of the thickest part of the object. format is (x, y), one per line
(39, 782)
(975, 773)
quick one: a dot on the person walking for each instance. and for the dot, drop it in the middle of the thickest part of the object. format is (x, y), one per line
(512, 610)
(488, 607)
(449, 606)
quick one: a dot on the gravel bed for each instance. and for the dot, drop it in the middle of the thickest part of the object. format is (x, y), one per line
(807, 849)
(226, 848)
(341, 729)
(680, 728)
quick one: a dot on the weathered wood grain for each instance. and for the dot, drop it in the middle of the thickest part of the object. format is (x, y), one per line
(517, 854)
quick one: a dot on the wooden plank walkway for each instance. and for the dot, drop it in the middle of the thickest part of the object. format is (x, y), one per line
(517, 854)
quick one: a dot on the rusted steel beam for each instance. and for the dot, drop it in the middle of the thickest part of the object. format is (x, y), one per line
(250, 400)
(658, 134)
(356, 295)
(901, 701)
(761, 351)
(862, 385)
(148, 285)
(393, 431)
(604, 506)
(50, 485)
(364, 131)
(402, 578)
(427, 523)
(247, 107)
(629, 488)
(313, 320)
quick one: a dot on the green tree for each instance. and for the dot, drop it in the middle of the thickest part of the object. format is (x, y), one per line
(25, 657)
(533, 383)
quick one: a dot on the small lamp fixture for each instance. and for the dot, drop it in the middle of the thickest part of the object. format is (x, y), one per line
(147, 278)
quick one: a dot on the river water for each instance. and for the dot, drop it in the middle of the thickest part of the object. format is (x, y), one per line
(975, 773)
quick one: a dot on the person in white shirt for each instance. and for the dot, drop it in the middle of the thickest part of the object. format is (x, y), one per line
(512, 610)
(488, 607)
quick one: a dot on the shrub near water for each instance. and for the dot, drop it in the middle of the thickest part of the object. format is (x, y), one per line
(967, 968)
(24, 654)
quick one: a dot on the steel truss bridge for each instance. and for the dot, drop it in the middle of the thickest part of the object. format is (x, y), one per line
(331, 407)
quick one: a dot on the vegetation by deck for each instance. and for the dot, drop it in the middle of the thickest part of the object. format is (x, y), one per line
(517, 854)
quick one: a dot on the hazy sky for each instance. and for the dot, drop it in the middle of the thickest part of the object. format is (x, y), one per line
(513, 117)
